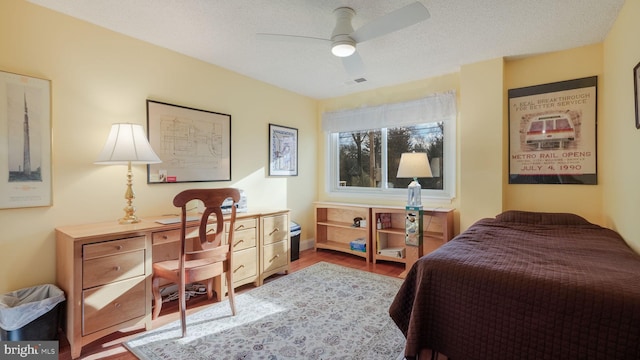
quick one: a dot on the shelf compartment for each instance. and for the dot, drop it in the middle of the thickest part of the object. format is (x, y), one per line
(335, 230)
(339, 246)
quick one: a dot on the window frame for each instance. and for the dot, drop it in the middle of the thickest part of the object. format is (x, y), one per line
(448, 192)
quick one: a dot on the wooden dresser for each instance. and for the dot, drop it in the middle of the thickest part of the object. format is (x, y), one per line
(105, 268)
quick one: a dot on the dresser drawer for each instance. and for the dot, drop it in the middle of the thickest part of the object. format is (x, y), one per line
(275, 255)
(113, 247)
(165, 251)
(275, 228)
(112, 304)
(243, 239)
(242, 224)
(162, 237)
(166, 244)
(244, 264)
(106, 269)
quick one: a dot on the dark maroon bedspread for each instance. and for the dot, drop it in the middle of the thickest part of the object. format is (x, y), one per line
(525, 286)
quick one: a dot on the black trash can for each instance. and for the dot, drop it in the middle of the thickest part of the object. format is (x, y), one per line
(31, 313)
(295, 230)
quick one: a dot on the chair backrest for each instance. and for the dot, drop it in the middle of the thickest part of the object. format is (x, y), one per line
(208, 243)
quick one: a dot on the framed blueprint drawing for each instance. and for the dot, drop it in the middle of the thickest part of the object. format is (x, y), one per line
(194, 145)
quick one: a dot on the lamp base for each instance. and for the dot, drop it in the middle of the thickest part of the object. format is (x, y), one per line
(129, 210)
(129, 220)
(414, 198)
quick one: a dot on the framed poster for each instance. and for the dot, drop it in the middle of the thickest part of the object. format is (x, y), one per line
(636, 83)
(552, 133)
(194, 145)
(25, 141)
(283, 151)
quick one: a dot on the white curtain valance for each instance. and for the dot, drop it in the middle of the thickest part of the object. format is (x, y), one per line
(433, 108)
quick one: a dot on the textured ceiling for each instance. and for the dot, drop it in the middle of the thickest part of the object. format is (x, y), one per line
(459, 32)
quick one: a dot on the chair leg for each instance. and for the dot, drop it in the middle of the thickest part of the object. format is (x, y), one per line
(210, 289)
(230, 292)
(157, 299)
(183, 308)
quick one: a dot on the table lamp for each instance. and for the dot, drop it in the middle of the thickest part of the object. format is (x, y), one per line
(127, 144)
(414, 165)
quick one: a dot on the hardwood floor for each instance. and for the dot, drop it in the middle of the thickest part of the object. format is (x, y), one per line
(110, 347)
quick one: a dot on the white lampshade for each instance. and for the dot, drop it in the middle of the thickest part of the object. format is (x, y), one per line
(127, 143)
(414, 165)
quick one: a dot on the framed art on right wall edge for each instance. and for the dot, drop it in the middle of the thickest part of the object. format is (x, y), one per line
(636, 94)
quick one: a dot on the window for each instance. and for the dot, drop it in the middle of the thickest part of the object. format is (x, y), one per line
(364, 159)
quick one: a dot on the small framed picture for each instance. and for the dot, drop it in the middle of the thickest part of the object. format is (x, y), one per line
(636, 83)
(283, 151)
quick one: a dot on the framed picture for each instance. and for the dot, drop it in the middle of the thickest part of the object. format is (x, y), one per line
(552, 133)
(25, 139)
(194, 145)
(283, 151)
(636, 83)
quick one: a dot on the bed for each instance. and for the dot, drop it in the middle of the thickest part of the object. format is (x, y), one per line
(524, 285)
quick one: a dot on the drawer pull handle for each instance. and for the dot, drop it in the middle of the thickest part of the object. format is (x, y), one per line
(238, 268)
(274, 231)
(238, 242)
(275, 257)
(239, 227)
(119, 247)
(117, 305)
(116, 268)
(165, 237)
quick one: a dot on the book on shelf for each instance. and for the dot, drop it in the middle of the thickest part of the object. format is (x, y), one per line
(381, 241)
(396, 252)
(383, 221)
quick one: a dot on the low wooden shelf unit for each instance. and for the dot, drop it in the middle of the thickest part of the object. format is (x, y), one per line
(335, 229)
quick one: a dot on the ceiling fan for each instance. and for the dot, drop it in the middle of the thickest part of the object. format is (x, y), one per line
(344, 38)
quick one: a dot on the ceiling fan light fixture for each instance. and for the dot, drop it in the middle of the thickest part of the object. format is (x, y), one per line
(343, 48)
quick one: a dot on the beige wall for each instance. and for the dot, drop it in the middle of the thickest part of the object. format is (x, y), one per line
(480, 173)
(619, 140)
(99, 77)
(584, 200)
(392, 94)
(482, 134)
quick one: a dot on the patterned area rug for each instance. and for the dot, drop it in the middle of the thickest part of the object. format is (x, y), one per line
(324, 311)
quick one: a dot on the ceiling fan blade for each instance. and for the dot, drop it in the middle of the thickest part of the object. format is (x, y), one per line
(354, 65)
(393, 21)
(290, 38)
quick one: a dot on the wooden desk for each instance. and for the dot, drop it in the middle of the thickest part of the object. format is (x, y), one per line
(105, 268)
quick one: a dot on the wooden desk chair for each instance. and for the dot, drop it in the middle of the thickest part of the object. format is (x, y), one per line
(211, 256)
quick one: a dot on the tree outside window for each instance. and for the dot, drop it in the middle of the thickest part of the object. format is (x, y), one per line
(370, 158)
